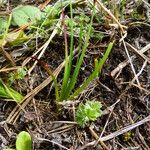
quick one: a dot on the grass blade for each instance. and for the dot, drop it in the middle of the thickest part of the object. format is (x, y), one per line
(9, 93)
(68, 60)
(78, 65)
(95, 73)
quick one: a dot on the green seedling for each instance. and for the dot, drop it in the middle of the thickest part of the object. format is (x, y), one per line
(67, 90)
(3, 40)
(89, 111)
(51, 12)
(128, 136)
(18, 75)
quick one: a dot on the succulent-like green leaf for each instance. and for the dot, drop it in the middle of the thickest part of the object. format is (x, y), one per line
(24, 141)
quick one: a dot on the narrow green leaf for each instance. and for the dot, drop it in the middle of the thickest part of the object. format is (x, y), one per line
(68, 60)
(80, 60)
(95, 73)
(103, 60)
(9, 93)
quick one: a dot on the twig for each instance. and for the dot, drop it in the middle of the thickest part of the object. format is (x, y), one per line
(145, 90)
(144, 49)
(44, 47)
(126, 62)
(51, 141)
(31, 94)
(119, 132)
(9, 69)
(125, 129)
(139, 52)
(132, 67)
(97, 138)
(119, 68)
(110, 108)
(142, 139)
(138, 74)
(8, 57)
(42, 6)
(104, 127)
(64, 122)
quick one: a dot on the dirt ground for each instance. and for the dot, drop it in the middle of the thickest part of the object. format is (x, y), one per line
(123, 88)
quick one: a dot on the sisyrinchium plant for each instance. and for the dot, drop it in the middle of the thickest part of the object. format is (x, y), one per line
(67, 90)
